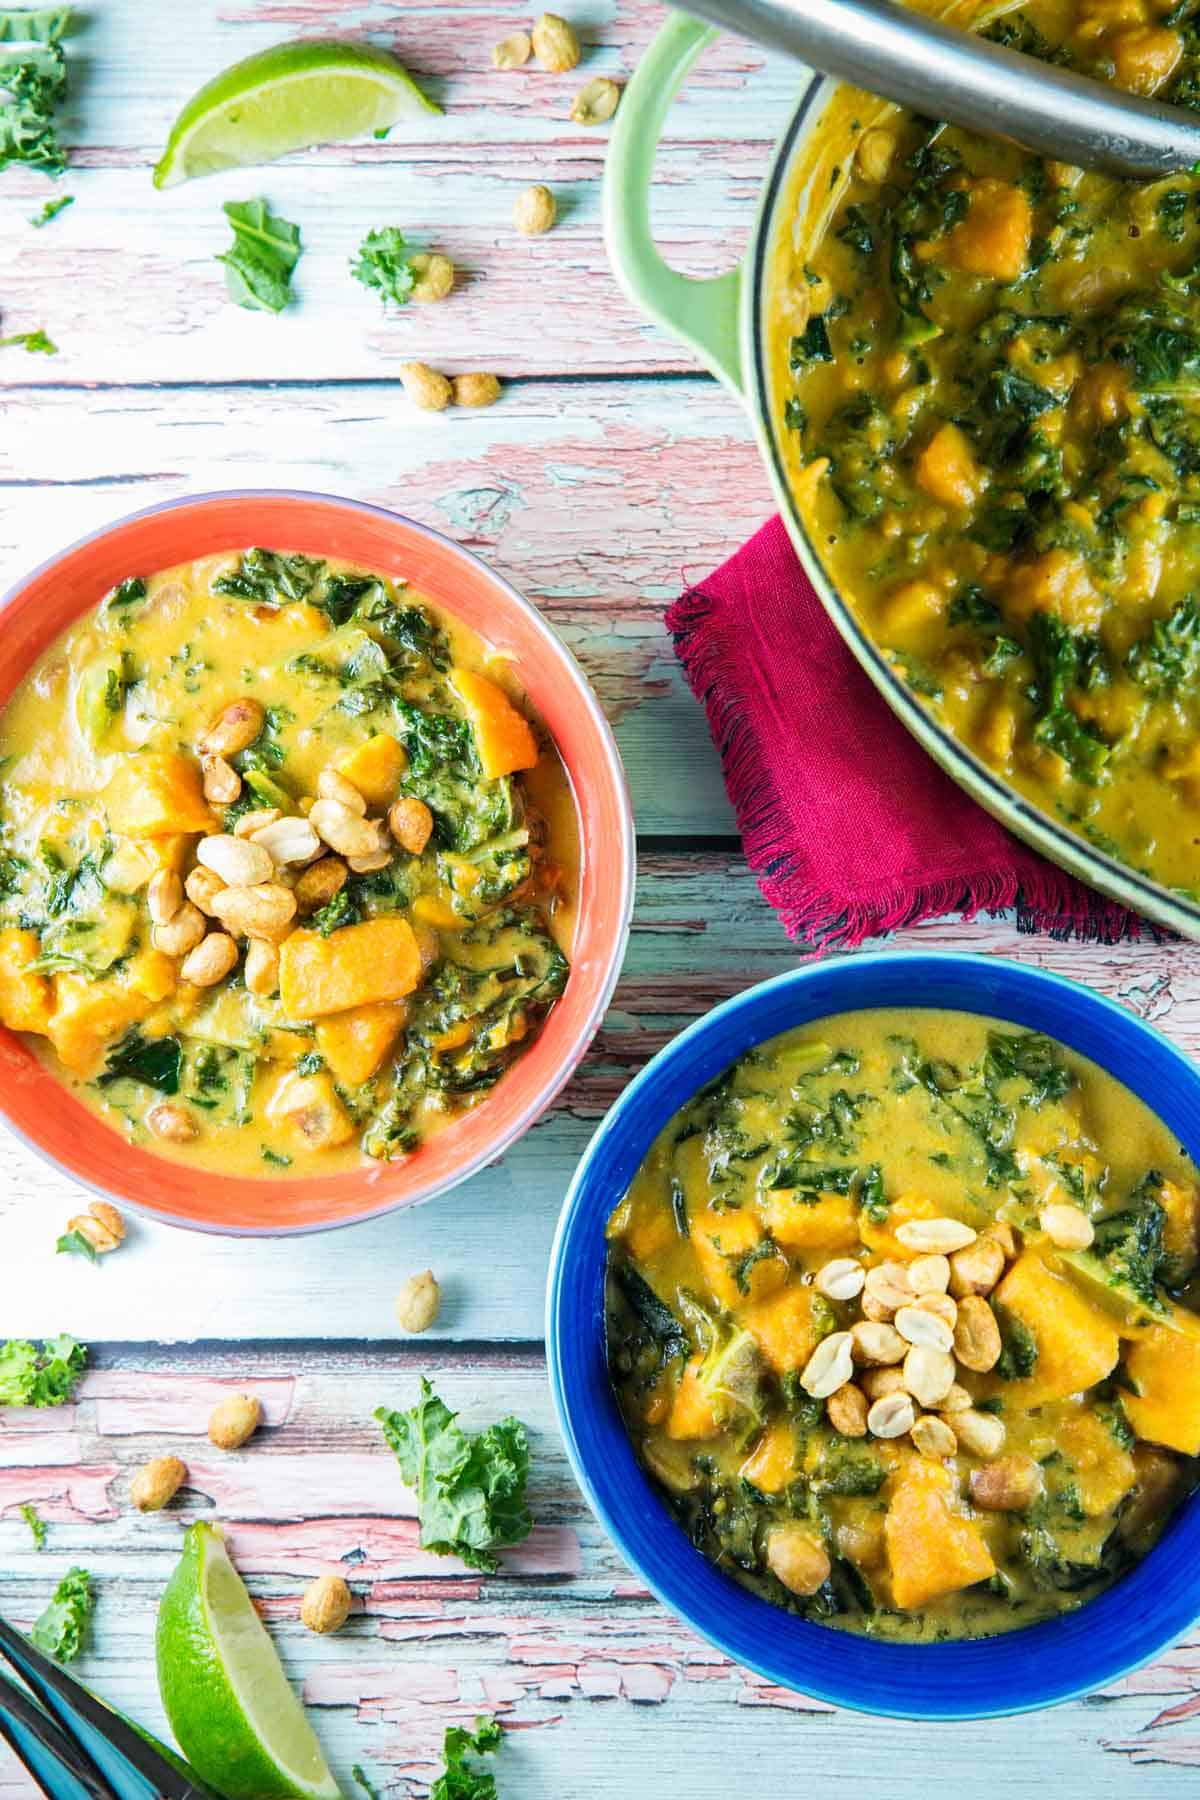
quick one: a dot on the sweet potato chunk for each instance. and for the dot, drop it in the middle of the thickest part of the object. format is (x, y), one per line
(1104, 1473)
(691, 1412)
(26, 998)
(503, 738)
(157, 793)
(723, 1241)
(931, 1550)
(1164, 1366)
(354, 1043)
(89, 1016)
(1144, 55)
(1181, 1235)
(375, 768)
(1056, 582)
(947, 470)
(993, 239)
(356, 966)
(782, 1327)
(828, 1223)
(1077, 1344)
(772, 1462)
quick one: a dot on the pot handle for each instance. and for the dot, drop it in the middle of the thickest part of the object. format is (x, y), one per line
(703, 313)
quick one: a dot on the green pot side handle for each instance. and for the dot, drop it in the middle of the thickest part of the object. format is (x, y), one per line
(703, 314)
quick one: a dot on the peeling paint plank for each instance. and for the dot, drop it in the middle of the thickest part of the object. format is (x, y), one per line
(596, 1683)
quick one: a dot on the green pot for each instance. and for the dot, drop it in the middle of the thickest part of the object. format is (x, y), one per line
(724, 320)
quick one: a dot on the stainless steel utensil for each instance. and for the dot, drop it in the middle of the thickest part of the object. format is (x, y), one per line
(944, 73)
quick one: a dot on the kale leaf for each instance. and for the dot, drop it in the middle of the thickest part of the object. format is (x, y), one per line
(51, 209)
(1019, 1355)
(337, 912)
(33, 81)
(1027, 1056)
(384, 264)
(470, 1489)
(36, 342)
(1130, 1243)
(36, 1524)
(812, 345)
(73, 1243)
(266, 249)
(60, 1629)
(1063, 661)
(157, 1062)
(269, 578)
(458, 1780)
(45, 1377)
(652, 1313)
(1168, 657)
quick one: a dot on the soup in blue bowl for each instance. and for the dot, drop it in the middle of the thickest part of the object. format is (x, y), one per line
(872, 1331)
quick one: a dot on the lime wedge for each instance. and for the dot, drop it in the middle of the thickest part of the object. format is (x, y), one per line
(318, 91)
(223, 1687)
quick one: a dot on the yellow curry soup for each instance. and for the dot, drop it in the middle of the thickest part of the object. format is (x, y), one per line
(902, 1320)
(285, 875)
(985, 368)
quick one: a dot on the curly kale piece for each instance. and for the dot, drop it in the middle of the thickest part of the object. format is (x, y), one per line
(59, 1632)
(45, 1377)
(470, 1489)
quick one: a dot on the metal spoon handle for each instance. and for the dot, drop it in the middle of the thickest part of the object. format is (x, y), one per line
(942, 72)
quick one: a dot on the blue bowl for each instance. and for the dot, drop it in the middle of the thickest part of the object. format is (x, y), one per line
(1038, 1665)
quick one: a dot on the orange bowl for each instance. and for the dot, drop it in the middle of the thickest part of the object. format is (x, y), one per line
(42, 1111)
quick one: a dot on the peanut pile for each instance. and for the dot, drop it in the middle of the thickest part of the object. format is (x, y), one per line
(895, 1371)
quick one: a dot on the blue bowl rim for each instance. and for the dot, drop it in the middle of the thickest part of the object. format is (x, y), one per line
(746, 1628)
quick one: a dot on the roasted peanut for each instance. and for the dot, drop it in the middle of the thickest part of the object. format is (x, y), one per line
(250, 822)
(172, 1122)
(977, 1269)
(796, 1557)
(210, 961)
(829, 1367)
(411, 824)
(929, 1275)
(977, 1342)
(290, 840)
(319, 883)
(877, 1343)
(596, 102)
(156, 1483)
(933, 1437)
(555, 44)
(980, 1433)
(234, 729)
(928, 1374)
(940, 1305)
(102, 1226)
(180, 933)
(236, 860)
(475, 389)
(1009, 1484)
(164, 896)
(847, 1410)
(261, 969)
(333, 785)
(418, 1302)
(434, 277)
(512, 52)
(425, 387)
(234, 1420)
(326, 1604)
(222, 783)
(934, 1237)
(200, 887)
(891, 1417)
(534, 210)
(344, 831)
(265, 911)
(841, 1279)
(888, 1287)
(917, 1326)
(877, 1383)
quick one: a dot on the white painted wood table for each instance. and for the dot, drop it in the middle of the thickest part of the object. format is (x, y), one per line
(610, 469)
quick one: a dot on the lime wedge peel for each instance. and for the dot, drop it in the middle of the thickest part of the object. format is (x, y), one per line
(234, 1716)
(317, 91)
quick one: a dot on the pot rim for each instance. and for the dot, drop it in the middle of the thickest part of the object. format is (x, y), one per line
(1118, 880)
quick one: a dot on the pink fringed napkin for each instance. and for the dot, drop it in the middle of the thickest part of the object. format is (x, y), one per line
(850, 827)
